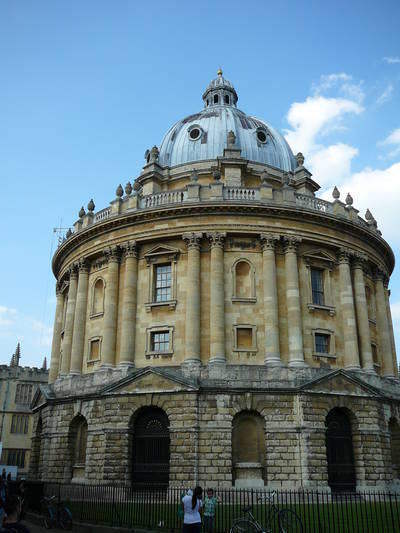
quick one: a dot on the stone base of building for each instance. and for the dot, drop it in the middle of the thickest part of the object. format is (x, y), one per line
(243, 427)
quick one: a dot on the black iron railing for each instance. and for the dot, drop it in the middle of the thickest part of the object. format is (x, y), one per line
(158, 508)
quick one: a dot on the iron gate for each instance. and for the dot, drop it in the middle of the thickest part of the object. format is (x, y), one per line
(339, 449)
(151, 448)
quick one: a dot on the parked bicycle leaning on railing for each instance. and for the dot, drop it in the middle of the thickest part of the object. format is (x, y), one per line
(55, 513)
(288, 520)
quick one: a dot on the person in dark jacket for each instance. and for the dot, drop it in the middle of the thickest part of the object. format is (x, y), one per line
(13, 510)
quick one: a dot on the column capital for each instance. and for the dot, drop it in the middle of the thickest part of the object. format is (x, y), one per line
(217, 239)
(192, 240)
(130, 249)
(59, 286)
(269, 241)
(359, 260)
(83, 265)
(381, 275)
(291, 243)
(73, 271)
(112, 254)
(344, 255)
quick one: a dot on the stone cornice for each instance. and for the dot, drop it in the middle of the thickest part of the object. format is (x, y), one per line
(216, 208)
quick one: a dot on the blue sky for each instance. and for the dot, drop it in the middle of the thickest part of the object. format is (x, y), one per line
(87, 87)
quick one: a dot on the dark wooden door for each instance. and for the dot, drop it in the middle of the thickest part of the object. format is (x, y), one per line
(151, 449)
(339, 448)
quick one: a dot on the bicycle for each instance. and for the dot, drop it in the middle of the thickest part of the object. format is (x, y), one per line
(288, 520)
(55, 513)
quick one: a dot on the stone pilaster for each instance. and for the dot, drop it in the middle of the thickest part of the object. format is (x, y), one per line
(110, 308)
(56, 344)
(362, 315)
(192, 324)
(69, 321)
(391, 331)
(129, 298)
(78, 337)
(293, 302)
(272, 356)
(350, 340)
(217, 299)
(382, 327)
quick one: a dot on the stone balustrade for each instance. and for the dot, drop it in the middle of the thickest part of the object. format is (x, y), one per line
(228, 194)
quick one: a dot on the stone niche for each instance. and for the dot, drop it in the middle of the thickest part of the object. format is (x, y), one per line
(248, 450)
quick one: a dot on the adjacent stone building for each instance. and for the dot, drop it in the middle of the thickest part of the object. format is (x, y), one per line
(220, 324)
(18, 385)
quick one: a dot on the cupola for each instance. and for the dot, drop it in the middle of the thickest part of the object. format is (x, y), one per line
(220, 91)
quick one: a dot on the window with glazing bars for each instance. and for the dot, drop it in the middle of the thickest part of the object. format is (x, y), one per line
(322, 342)
(163, 283)
(160, 341)
(317, 286)
(12, 457)
(19, 424)
(23, 393)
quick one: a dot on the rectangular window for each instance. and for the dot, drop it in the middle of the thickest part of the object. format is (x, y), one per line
(163, 283)
(244, 338)
(159, 341)
(322, 342)
(20, 424)
(12, 457)
(317, 286)
(94, 350)
(23, 393)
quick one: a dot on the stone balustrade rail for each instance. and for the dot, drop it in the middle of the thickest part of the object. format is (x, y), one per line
(229, 194)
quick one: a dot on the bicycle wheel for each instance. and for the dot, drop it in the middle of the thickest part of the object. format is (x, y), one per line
(65, 518)
(289, 522)
(243, 526)
(47, 522)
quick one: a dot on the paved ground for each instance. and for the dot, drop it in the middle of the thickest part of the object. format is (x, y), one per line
(33, 528)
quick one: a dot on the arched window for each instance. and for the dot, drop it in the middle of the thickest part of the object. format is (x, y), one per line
(216, 99)
(98, 297)
(226, 99)
(340, 452)
(150, 447)
(243, 281)
(248, 449)
(78, 443)
(394, 429)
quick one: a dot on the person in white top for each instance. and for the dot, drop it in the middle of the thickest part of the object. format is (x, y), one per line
(192, 505)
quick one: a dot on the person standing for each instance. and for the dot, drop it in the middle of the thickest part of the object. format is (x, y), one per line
(13, 510)
(192, 505)
(210, 503)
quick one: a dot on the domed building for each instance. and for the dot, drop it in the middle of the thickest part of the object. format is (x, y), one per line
(220, 324)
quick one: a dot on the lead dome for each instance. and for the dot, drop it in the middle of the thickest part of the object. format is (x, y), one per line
(203, 135)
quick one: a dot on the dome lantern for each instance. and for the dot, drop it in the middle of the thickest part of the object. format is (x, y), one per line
(220, 91)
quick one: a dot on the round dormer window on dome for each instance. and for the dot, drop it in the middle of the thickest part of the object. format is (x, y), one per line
(195, 132)
(262, 135)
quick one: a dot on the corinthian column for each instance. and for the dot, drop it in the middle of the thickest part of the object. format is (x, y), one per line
(389, 315)
(362, 315)
(78, 337)
(293, 303)
(128, 326)
(110, 308)
(55, 346)
(69, 321)
(350, 340)
(217, 298)
(272, 355)
(382, 327)
(192, 325)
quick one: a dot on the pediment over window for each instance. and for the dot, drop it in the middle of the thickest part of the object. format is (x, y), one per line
(319, 257)
(150, 380)
(40, 397)
(342, 383)
(162, 253)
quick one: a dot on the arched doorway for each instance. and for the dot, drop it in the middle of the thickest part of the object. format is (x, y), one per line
(150, 448)
(339, 450)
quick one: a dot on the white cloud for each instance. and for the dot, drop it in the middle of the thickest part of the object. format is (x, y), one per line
(395, 308)
(341, 82)
(378, 190)
(391, 60)
(317, 115)
(333, 163)
(386, 95)
(392, 140)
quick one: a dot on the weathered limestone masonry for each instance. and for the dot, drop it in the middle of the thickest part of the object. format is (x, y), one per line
(220, 324)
